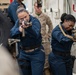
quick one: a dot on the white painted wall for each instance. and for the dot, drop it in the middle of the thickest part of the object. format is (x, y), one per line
(73, 2)
(29, 5)
(57, 10)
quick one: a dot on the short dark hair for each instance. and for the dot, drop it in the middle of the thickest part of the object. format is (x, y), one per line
(68, 17)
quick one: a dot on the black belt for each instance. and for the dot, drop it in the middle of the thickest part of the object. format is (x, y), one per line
(62, 53)
(28, 48)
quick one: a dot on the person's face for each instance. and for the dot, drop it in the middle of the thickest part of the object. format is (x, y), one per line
(68, 25)
(37, 9)
(23, 16)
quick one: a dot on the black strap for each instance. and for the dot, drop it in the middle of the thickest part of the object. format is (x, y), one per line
(62, 53)
(32, 47)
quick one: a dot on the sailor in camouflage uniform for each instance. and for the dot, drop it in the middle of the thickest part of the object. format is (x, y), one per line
(45, 22)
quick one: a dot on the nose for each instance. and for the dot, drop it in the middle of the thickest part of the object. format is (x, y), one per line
(25, 19)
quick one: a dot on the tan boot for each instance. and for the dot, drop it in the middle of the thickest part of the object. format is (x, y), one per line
(47, 72)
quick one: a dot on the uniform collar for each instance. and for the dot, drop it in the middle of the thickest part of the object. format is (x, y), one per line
(38, 14)
(63, 27)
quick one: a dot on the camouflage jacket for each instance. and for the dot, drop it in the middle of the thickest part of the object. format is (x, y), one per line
(46, 26)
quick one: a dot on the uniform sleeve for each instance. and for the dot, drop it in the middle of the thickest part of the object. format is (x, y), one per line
(15, 30)
(34, 30)
(60, 37)
(12, 13)
(9, 12)
(49, 23)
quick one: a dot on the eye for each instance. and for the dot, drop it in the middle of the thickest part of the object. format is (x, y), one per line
(21, 19)
(25, 16)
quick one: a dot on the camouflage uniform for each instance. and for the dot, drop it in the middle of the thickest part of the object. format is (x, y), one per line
(46, 34)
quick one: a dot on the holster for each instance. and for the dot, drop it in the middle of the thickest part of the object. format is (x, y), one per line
(70, 62)
(73, 59)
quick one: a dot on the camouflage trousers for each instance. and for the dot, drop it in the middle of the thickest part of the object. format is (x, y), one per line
(47, 49)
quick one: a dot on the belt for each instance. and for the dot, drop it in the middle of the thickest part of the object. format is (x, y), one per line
(62, 53)
(30, 49)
